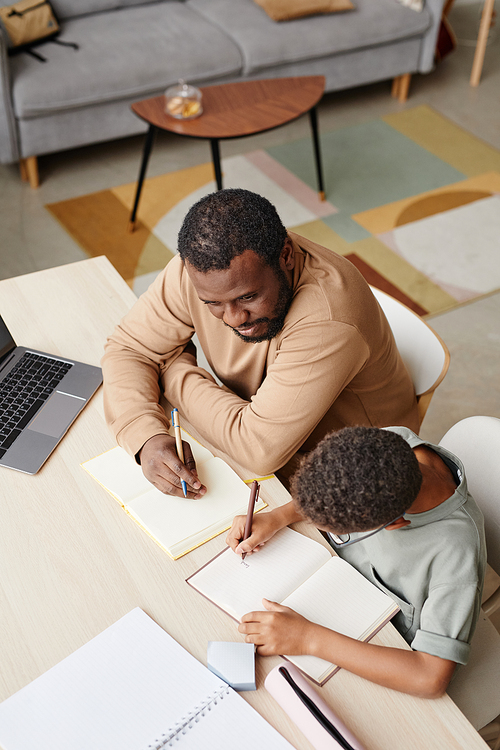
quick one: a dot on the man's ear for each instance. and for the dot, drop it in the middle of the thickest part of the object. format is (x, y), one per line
(287, 255)
(399, 523)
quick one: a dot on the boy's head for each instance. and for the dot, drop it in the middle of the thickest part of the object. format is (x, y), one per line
(357, 479)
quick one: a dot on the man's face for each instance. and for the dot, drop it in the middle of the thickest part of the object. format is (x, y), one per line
(249, 297)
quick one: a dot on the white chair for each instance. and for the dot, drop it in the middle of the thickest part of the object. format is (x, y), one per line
(476, 688)
(423, 351)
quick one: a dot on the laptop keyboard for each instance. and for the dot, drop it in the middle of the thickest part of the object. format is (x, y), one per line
(24, 391)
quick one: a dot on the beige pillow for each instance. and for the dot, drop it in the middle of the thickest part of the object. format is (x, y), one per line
(283, 10)
(417, 5)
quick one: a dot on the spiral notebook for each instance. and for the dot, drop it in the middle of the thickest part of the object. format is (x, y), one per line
(132, 687)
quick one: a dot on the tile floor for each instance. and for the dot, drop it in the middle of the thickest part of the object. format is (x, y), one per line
(31, 239)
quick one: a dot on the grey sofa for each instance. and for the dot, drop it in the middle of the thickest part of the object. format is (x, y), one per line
(133, 49)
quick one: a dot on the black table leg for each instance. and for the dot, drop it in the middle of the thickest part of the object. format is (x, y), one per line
(148, 145)
(214, 145)
(317, 152)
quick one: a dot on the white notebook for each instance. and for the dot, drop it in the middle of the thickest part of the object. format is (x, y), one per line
(177, 524)
(300, 573)
(132, 688)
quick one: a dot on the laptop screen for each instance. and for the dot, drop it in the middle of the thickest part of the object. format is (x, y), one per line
(7, 343)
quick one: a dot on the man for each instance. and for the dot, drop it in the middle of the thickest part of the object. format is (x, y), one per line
(407, 522)
(290, 328)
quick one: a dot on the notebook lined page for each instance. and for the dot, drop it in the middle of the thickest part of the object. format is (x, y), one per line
(273, 572)
(120, 691)
(339, 598)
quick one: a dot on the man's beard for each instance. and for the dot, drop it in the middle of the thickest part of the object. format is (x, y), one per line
(276, 323)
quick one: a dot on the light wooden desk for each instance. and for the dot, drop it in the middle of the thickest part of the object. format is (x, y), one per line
(72, 562)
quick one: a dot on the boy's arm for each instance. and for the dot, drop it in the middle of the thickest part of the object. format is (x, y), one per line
(280, 630)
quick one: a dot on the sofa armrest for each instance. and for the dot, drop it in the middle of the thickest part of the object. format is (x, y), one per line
(428, 49)
(9, 151)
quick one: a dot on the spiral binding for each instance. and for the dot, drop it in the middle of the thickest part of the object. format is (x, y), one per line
(168, 738)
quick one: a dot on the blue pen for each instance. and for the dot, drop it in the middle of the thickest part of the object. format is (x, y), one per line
(178, 443)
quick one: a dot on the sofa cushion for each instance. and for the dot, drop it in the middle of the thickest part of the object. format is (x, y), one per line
(131, 52)
(72, 8)
(265, 43)
(283, 10)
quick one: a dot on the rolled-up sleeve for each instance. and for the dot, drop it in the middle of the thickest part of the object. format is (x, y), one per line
(446, 622)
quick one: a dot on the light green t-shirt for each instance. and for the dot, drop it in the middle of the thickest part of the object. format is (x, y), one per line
(434, 568)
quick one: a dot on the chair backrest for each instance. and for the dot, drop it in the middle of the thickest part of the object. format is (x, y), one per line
(476, 442)
(423, 351)
(474, 688)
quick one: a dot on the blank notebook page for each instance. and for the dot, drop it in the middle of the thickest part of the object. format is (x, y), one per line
(125, 689)
(173, 519)
(272, 572)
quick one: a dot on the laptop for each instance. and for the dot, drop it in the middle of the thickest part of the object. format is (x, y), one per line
(40, 396)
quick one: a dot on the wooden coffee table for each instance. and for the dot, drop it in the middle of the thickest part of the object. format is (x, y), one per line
(235, 110)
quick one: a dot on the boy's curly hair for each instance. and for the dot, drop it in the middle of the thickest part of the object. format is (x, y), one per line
(357, 479)
(223, 225)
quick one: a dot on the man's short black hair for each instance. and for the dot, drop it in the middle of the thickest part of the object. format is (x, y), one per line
(223, 225)
(357, 479)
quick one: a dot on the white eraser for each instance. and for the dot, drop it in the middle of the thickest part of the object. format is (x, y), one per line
(233, 662)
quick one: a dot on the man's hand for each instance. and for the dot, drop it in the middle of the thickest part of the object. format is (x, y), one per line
(163, 468)
(280, 630)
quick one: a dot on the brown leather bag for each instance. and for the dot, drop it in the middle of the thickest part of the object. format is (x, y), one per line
(27, 22)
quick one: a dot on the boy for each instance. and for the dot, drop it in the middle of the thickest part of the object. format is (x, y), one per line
(406, 522)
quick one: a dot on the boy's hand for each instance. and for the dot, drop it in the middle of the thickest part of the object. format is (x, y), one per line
(280, 630)
(264, 526)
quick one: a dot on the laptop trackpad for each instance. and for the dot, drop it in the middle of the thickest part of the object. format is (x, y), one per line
(55, 417)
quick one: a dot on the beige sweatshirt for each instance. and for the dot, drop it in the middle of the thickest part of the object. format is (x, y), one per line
(333, 364)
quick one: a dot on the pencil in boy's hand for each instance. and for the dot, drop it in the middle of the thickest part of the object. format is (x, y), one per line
(178, 443)
(254, 491)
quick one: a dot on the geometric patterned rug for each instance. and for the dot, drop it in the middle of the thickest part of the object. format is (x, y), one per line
(413, 200)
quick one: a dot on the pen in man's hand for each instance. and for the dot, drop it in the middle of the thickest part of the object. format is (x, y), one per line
(254, 491)
(178, 443)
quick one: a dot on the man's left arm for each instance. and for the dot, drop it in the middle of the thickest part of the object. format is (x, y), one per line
(313, 365)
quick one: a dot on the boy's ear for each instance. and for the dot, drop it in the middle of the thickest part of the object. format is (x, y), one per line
(398, 524)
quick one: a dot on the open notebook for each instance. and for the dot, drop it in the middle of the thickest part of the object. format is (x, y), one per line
(177, 524)
(300, 573)
(132, 687)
